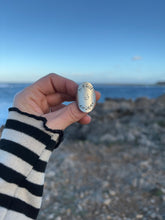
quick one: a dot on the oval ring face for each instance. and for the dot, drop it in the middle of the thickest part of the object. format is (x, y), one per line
(86, 97)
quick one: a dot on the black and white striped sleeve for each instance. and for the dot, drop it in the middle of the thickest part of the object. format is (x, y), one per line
(25, 147)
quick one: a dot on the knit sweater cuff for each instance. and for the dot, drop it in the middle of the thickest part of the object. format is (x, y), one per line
(37, 122)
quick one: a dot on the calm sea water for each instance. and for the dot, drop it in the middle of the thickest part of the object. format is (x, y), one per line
(7, 92)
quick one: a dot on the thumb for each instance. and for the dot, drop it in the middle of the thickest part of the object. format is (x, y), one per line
(66, 116)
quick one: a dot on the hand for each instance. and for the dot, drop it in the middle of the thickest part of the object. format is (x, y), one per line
(45, 97)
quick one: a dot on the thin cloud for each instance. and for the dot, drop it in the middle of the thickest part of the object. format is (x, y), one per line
(135, 58)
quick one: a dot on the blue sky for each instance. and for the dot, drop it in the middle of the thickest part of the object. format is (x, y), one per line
(112, 41)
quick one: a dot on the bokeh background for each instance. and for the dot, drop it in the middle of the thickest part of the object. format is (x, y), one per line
(113, 168)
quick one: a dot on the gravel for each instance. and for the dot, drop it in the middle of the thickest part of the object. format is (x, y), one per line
(99, 182)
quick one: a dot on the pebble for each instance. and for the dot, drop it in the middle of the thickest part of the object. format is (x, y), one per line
(139, 216)
(144, 164)
(58, 218)
(107, 202)
(80, 207)
(81, 195)
(135, 182)
(163, 190)
(51, 174)
(105, 184)
(152, 201)
(153, 215)
(130, 137)
(112, 193)
(86, 97)
(68, 211)
(51, 216)
(106, 195)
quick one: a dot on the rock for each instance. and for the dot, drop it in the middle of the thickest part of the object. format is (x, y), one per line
(145, 141)
(126, 107)
(135, 182)
(110, 105)
(108, 138)
(112, 193)
(160, 100)
(152, 201)
(163, 190)
(145, 164)
(68, 212)
(143, 103)
(162, 139)
(81, 195)
(130, 137)
(58, 218)
(105, 184)
(153, 215)
(107, 202)
(159, 106)
(120, 120)
(139, 216)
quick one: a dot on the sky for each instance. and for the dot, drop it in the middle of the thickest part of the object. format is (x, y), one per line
(102, 41)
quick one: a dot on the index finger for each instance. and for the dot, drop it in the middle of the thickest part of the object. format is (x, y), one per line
(54, 83)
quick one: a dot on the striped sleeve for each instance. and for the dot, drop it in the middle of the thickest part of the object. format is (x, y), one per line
(25, 147)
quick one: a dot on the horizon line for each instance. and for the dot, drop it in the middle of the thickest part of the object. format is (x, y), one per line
(159, 83)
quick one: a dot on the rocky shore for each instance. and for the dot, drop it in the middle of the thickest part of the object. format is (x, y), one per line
(140, 122)
(111, 169)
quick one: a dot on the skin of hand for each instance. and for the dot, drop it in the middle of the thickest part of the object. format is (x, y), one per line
(45, 97)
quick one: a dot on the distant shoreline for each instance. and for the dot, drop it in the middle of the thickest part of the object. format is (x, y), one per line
(96, 83)
(130, 84)
(160, 83)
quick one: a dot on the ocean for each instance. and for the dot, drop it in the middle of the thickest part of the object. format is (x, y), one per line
(8, 91)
